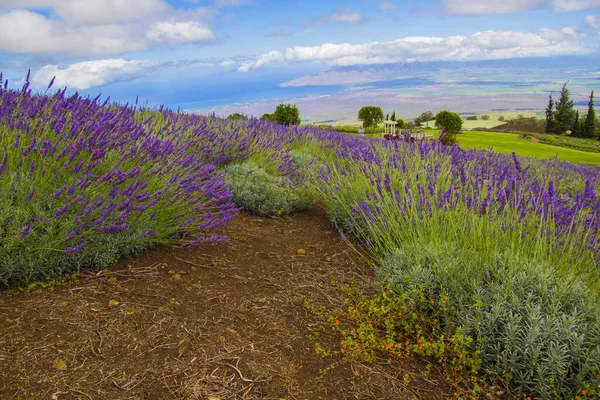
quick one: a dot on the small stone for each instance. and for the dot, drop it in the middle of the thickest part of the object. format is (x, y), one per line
(328, 259)
(172, 272)
(301, 252)
(177, 277)
(112, 303)
(233, 331)
(59, 365)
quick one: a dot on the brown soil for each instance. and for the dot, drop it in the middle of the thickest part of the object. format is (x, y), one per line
(222, 321)
(520, 127)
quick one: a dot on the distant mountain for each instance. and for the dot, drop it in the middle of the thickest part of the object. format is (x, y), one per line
(475, 87)
(579, 66)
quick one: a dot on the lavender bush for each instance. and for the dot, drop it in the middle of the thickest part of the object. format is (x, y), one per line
(512, 243)
(260, 193)
(538, 331)
(84, 183)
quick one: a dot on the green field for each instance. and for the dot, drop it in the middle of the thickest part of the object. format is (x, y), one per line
(509, 142)
(567, 148)
(586, 145)
(481, 124)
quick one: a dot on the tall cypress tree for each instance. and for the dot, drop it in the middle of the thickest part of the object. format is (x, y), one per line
(589, 126)
(564, 114)
(575, 131)
(393, 117)
(550, 115)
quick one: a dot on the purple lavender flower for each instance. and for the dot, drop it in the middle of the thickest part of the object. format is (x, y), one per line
(25, 231)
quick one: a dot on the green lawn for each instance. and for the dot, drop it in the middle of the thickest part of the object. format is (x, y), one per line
(508, 142)
(588, 145)
(481, 124)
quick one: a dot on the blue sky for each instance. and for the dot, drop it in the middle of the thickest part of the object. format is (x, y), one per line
(157, 48)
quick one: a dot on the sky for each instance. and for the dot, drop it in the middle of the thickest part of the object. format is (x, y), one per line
(216, 55)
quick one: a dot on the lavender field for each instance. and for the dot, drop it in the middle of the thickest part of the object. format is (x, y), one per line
(512, 243)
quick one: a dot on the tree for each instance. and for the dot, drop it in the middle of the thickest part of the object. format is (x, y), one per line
(564, 115)
(576, 131)
(472, 118)
(589, 126)
(400, 123)
(286, 114)
(451, 124)
(425, 117)
(236, 116)
(550, 115)
(501, 118)
(370, 116)
(393, 117)
(387, 117)
(266, 117)
(485, 117)
(450, 121)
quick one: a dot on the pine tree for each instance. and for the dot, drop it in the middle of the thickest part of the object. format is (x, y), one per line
(564, 113)
(387, 117)
(589, 126)
(393, 117)
(550, 115)
(582, 127)
(576, 130)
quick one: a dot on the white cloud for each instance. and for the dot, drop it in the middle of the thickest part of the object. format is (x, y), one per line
(469, 7)
(262, 60)
(574, 5)
(593, 21)
(279, 33)
(227, 64)
(566, 33)
(174, 32)
(346, 16)
(94, 11)
(109, 11)
(231, 3)
(23, 32)
(386, 5)
(488, 45)
(88, 74)
(28, 32)
(499, 40)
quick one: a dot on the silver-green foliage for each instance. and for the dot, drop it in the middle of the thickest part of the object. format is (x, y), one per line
(101, 251)
(537, 330)
(525, 292)
(264, 194)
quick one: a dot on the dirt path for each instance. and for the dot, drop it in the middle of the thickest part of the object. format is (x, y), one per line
(223, 321)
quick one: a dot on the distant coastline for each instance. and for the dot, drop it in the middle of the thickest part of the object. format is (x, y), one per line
(503, 86)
